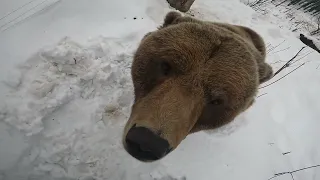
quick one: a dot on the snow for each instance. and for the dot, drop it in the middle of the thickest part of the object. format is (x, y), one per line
(12, 13)
(288, 18)
(67, 93)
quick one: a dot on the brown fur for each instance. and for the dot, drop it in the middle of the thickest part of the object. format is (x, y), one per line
(192, 75)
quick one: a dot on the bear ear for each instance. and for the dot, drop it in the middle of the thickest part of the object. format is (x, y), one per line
(146, 35)
(170, 18)
(265, 72)
(255, 38)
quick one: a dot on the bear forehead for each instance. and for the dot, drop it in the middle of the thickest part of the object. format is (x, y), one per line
(193, 41)
(220, 61)
(188, 37)
(192, 47)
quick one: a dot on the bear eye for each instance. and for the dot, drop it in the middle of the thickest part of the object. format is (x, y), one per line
(165, 68)
(216, 102)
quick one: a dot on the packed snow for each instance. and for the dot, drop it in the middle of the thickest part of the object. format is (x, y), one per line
(290, 17)
(66, 94)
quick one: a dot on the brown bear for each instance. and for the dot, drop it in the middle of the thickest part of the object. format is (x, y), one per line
(191, 75)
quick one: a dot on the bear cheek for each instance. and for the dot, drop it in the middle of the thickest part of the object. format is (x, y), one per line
(210, 118)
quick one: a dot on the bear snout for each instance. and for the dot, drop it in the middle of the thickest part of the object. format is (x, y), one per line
(145, 145)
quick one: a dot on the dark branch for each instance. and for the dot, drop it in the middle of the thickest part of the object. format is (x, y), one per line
(262, 95)
(283, 76)
(288, 63)
(273, 48)
(286, 153)
(301, 57)
(291, 172)
(281, 50)
(292, 176)
(305, 168)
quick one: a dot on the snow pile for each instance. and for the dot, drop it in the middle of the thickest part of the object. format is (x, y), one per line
(287, 17)
(68, 77)
(66, 72)
(72, 100)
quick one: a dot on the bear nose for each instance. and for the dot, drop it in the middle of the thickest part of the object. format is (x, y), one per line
(145, 145)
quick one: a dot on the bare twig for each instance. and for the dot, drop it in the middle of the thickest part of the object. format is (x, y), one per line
(287, 10)
(288, 63)
(301, 57)
(292, 65)
(268, 45)
(75, 60)
(291, 172)
(262, 95)
(286, 153)
(272, 48)
(305, 168)
(257, 3)
(281, 3)
(282, 76)
(277, 62)
(292, 176)
(281, 50)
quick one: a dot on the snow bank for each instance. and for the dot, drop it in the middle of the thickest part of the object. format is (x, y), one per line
(288, 18)
(68, 71)
(64, 115)
(75, 99)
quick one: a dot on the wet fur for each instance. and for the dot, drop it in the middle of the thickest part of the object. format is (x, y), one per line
(210, 62)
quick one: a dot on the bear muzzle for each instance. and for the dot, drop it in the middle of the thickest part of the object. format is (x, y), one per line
(145, 145)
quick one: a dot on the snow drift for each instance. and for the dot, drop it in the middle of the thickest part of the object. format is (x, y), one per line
(64, 113)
